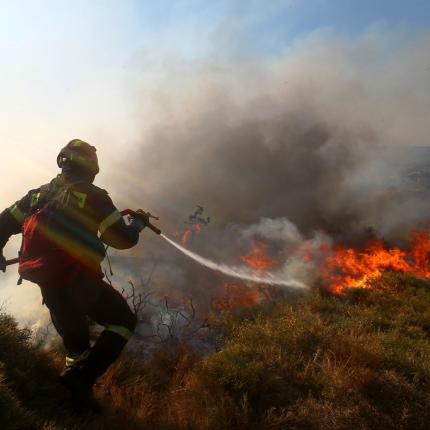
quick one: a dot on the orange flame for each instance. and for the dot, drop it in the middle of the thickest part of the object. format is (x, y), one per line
(194, 229)
(237, 296)
(349, 268)
(307, 254)
(257, 258)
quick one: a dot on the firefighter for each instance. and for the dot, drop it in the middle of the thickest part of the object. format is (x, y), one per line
(65, 225)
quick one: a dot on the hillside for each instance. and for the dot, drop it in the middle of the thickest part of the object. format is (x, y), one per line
(318, 362)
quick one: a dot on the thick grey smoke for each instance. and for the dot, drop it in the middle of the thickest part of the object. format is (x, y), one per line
(311, 146)
(319, 140)
(302, 136)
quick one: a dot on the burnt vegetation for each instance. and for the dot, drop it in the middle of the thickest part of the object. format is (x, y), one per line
(310, 362)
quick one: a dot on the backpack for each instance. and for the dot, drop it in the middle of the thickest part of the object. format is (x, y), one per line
(54, 248)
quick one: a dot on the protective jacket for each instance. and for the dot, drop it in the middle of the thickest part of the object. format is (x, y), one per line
(65, 226)
(73, 239)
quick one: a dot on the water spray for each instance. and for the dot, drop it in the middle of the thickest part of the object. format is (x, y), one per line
(243, 273)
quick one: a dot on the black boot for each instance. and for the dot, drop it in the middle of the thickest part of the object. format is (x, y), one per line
(104, 352)
(81, 376)
(81, 388)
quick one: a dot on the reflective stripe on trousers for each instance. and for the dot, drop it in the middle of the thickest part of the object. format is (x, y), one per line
(70, 361)
(119, 330)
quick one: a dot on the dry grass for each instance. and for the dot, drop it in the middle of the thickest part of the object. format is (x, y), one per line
(315, 363)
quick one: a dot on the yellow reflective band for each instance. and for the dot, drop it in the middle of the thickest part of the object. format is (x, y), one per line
(120, 330)
(69, 361)
(108, 221)
(34, 199)
(16, 213)
(77, 143)
(82, 197)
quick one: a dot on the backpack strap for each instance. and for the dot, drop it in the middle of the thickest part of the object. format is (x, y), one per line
(38, 198)
(52, 193)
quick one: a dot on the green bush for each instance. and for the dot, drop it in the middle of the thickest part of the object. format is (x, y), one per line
(362, 362)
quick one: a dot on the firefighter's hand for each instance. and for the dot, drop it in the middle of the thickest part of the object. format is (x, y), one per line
(2, 263)
(140, 221)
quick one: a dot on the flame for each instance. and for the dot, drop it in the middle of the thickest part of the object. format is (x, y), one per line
(350, 268)
(257, 258)
(239, 297)
(307, 254)
(189, 233)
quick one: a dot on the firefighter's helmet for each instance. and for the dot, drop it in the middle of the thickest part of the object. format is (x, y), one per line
(81, 154)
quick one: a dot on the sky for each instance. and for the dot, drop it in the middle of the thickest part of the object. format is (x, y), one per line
(73, 68)
(77, 69)
(96, 70)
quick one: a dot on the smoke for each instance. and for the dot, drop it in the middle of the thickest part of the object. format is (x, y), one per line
(311, 146)
(23, 301)
(298, 257)
(274, 230)
(299, 149)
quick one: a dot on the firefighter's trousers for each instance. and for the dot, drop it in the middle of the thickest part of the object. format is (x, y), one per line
(70, 306)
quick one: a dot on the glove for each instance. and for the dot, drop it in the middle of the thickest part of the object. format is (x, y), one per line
(2, 263)
(140, 221)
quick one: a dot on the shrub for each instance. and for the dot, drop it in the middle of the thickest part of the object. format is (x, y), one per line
(324, 363)
(314, 362)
